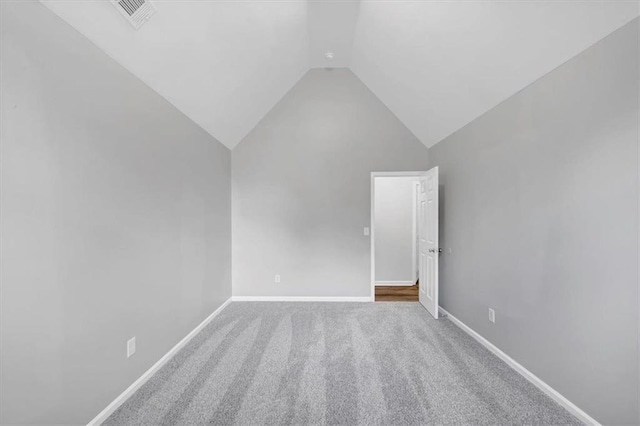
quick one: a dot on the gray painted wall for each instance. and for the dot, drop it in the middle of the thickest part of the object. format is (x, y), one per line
(115, 223)
(540, 207)
(394, 208)
(301, 188)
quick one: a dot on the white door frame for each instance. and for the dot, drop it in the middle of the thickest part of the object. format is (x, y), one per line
(375, 175)
(414, 265)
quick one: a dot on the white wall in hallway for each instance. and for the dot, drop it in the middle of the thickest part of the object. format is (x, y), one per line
(394, 208)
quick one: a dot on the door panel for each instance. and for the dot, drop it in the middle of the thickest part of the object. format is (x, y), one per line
(428, 241)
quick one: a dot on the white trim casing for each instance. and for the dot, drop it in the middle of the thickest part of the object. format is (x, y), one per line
(298, 299)
(415, 273)
(120, 399)
(396, 283)
(538, 382)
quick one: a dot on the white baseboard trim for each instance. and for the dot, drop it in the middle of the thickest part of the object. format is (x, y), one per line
(298, 299)
(538, 382)
(398, 283)
(120, 399)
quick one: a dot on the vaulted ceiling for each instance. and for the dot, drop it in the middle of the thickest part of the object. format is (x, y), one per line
(436, 64)
(440, 65)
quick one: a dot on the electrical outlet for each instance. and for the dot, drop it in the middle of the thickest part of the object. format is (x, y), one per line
(492, 315)
(277, 279)
(131, 347)
(366, 231)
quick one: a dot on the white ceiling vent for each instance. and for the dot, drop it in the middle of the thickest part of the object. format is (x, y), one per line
(137, 12)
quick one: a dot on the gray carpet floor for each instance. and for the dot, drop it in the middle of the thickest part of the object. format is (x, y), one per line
(336, 363)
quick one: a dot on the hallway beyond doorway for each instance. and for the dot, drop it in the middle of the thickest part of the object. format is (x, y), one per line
(397, 293)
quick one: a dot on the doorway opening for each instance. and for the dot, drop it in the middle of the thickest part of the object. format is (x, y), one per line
(395, 238)
(404, 237)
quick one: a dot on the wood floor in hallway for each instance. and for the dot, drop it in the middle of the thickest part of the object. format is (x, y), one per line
(397, 293)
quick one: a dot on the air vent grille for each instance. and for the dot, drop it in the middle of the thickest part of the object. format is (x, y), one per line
(130, 6)
(137, 12)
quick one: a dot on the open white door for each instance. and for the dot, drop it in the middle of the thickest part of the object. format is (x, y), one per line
(428, 241)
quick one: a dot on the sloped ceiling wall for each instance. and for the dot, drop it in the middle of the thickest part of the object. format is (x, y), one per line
(440, 65)
(224, 64)
(437, 65)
